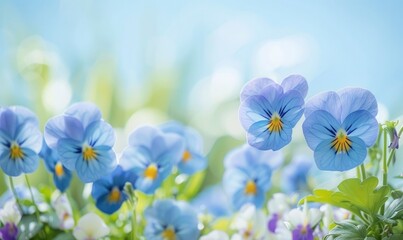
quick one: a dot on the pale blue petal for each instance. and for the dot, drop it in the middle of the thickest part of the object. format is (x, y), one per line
(92, 170)
(25, 115)
(30, 137)
(327, 159)
(253, 87)
(254, 109)
(146, 185)
(273, 93)
(262, 176)
(234, 179)
(9, 166)
(85, 112)
(143, 136)
(8, 123)
(30, 162)
(168, 144)
(291, 108)
(354, 99)
(327, 101)
(100, 133)
(362, 124)
(295, 82)
(193, 165)
(62, 127)
(69, 151)
(319, 126)
(135, 158)
(261, 138)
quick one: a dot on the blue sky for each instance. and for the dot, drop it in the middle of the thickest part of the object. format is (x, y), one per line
(332, 43)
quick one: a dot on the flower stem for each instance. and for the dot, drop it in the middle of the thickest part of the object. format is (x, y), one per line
(132, 202)
(385, 165)
(363, 174)
(33, 199)
(17, 201)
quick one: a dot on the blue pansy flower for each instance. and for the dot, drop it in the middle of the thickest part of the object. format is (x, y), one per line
(170, 220)
(108, 191)
(151, 154)
(269, 111)
(247, 175)
(340, 126)
(83, 141)
(212, 201)
(295, 175)
(192, 159)
(20, 140)
(61, 175)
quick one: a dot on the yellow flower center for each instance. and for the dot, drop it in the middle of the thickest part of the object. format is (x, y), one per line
(186, 156)
(89, 153)
(16, 151)
(169, 234)
(59, 169)
(151, 172)
(275, 124)
(341, 143)
(250, 188)
(114, 195)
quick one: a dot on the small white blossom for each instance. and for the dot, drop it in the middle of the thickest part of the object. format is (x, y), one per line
(90, 227)
(64, 213)
(10, 213)
(215, 235)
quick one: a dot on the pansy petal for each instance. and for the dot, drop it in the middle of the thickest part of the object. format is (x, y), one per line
(30, 161)
(143, 136)
(327, 159)
(327, 101)
(8, 122)
(273, 93)
(261, 138)
(91, 170)
(9, 166)
(319, 126)
(291, 110)
(254, 109)
(70, 151)
(85, 112)
(354, 99)
(106, 206)
(297, 83)
(137, 158)
(193, 165)
(62, 182)
(362, 124)
(30, 137)
(254, 86)
(100, 133)
(233, 180)
(25, 115)
(60, 127)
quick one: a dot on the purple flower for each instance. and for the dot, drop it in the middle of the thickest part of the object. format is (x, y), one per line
(269, 111)
(302, 232)
(9, 232)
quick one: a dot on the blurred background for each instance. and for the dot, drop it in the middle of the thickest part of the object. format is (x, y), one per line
(149, 62)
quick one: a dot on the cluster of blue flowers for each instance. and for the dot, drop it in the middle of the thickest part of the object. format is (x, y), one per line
(338, 127)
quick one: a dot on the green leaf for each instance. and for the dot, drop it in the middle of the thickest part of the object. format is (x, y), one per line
(348, 230)
(192, 186)
(394, 209)
(354, 195)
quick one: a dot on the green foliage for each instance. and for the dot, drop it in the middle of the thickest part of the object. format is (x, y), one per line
(354, 195)
(348, 230)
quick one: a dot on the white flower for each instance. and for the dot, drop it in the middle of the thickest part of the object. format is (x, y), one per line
(278, 204)
(10, 213)
(90, 227)
(215, 235)
(303, 217)
(250, 223)
(64, 213)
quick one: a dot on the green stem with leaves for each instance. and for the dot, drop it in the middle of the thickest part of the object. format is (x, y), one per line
(132, 202)
(42, 234)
